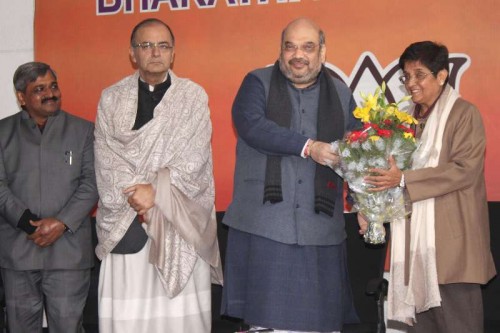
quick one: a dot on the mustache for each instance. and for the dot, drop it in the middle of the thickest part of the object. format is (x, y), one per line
(302, 61)
(46, 99)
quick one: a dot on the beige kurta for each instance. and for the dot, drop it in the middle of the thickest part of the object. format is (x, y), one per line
(450, 237)
(462, 229)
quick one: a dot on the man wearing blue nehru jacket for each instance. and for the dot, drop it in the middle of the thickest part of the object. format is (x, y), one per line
(286, 263)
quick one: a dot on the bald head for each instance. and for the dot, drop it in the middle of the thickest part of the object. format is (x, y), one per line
(303, 51)
(303, 23)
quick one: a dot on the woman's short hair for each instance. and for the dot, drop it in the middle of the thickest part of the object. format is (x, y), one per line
(432, 55)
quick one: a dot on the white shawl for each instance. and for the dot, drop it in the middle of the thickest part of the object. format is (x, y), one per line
(422, 291)
(177, 139)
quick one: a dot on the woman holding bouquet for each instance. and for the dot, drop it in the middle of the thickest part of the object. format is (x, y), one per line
(441, 254)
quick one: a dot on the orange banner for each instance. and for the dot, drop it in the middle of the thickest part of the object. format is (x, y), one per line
(219, 41)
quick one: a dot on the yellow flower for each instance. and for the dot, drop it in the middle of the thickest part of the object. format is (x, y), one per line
(391, 110)
(410, 120)
(375, 109)
(401, 116)
(374, 137)
(404, 117)
(408, 135)
(371, 101)
(362, 113)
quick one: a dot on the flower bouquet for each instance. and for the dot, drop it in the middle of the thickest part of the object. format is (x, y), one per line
(386, 131)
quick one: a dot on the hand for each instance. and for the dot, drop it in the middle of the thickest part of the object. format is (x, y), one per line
(363, 224)
(141, 197)
(47, 231)
(384, 179)
(321, 152)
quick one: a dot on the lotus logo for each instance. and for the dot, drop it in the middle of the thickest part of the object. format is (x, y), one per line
(368, 74)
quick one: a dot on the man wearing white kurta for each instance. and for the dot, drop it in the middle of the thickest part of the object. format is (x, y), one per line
(154, 165)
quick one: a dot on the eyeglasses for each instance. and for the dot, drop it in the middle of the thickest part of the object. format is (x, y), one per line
(306, 48)
(148, 46)
(419, 76)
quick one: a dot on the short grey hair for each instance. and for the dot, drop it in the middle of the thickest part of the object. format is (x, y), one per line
(28, 73)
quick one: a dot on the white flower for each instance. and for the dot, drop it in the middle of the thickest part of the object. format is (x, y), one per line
(363, 159)
(366, 145)
(378, 162)
(361, 165)
(396, 144)
(380, 144)
(345, 153)
(355, 145)
(351, 166)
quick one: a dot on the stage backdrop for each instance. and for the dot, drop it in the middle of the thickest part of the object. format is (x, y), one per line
(219, 41)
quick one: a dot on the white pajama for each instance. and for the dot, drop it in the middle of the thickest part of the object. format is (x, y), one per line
(132, 299)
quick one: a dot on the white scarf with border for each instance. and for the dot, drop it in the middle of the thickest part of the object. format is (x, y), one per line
(422, 291)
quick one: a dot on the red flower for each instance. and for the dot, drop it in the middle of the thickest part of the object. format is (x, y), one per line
(355, 135)
(370, 125)
(384, 133)
(407, 129)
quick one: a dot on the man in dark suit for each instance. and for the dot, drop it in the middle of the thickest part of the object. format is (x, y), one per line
(285, 260)
(47, 190)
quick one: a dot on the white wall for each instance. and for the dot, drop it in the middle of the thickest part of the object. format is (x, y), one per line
(16, 47)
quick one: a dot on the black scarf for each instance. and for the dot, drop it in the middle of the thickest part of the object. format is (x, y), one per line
(330, 127)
